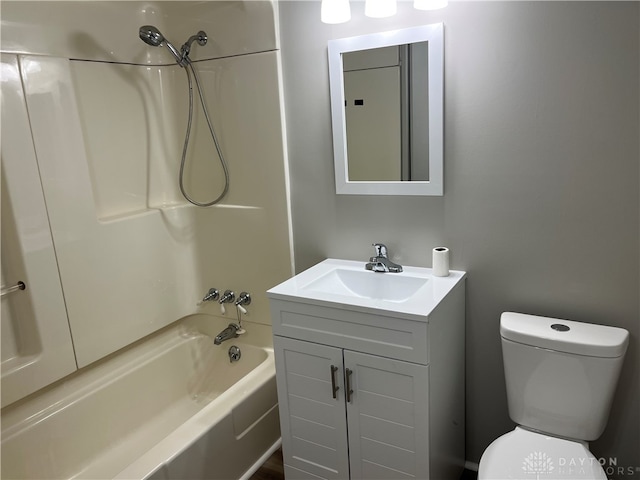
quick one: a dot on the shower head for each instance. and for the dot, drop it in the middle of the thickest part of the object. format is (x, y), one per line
(152, 36)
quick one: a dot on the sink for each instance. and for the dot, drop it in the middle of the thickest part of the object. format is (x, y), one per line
(391, 287)
(413, 293)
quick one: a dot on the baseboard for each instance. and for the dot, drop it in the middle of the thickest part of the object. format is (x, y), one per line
(471, 466)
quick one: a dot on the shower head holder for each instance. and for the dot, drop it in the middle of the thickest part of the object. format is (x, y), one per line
(152, 36)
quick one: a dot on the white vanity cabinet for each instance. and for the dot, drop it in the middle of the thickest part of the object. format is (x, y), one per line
(377, 430)
(366, 392)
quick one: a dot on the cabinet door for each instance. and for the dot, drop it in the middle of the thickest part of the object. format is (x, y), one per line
(387, 417)
(313, 422)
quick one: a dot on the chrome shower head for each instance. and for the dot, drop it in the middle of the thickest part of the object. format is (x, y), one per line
(152, 36)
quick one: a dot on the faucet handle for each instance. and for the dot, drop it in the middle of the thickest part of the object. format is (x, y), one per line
(243, 299)
(211, 295)
(381, 249)
(227, 297)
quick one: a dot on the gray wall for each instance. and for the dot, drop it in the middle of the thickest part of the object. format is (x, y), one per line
(541, 203)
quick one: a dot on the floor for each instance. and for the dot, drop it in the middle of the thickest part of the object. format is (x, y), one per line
(273, 470)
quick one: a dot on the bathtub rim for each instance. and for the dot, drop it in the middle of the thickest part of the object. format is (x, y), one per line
(199, 424)
(179, 439)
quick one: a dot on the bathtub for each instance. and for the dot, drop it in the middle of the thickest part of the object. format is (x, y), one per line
(171, 406)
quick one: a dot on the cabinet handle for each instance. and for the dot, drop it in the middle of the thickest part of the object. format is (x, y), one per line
(334, 387)
(348, 386)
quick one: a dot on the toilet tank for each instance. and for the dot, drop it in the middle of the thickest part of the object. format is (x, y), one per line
(561, 375)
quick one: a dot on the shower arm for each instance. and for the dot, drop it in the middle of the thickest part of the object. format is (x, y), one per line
(200, 37)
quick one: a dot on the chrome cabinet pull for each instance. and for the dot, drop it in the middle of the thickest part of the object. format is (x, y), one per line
(334, 387)
(348, 386)
(7, 290)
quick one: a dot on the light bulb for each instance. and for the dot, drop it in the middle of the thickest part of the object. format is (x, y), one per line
(429, 4)
(335, 11)
(380, 8)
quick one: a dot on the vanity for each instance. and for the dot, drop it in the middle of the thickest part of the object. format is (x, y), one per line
(370, 372)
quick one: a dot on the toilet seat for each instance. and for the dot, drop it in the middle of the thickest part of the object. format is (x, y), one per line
(526, 455)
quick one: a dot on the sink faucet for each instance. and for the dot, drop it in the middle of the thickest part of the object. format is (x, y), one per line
(380, 262)
(227, 334)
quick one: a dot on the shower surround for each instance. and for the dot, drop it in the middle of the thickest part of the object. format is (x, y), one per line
(93, 221)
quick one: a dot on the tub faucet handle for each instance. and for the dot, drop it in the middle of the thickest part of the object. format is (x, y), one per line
(243, 299)
(211, 295)
(227, 297)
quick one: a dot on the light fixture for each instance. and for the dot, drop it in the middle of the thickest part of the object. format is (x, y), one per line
(429, 4)
(339, 11)
(335, 11)
(380, 8)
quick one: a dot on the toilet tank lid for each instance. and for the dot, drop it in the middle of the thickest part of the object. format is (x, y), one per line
(564, 335)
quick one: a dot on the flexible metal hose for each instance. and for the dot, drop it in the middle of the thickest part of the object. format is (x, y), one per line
(223, 163)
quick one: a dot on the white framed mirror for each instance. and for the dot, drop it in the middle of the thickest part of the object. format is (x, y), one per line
(387, 112)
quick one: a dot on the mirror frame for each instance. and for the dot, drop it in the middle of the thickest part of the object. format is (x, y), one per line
(434, 35)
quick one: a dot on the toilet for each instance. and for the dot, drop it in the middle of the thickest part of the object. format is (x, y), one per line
(561, 376)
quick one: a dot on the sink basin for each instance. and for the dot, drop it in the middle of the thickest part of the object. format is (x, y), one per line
(413, 293)
(391, 287)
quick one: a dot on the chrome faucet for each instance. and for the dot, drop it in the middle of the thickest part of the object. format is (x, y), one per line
(243, 299)
(211, 295)
(227, 297)
(380, 262)
(227, 334)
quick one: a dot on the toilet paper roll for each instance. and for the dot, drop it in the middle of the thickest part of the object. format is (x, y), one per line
(441, 262)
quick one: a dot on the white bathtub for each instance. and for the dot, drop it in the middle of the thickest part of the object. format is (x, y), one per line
(171, 406)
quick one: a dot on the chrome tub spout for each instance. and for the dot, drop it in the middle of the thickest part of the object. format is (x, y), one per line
(227, 334)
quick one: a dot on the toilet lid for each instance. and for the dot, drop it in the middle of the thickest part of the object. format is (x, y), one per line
(525, 455)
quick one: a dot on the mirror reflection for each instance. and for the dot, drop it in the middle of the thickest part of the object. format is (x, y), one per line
(387, 112)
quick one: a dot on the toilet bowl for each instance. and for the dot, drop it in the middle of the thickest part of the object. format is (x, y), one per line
(560, 376)
(522, 454)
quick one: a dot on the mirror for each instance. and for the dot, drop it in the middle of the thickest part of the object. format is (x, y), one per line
(387, 112)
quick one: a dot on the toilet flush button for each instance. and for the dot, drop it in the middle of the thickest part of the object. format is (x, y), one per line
(559, 327)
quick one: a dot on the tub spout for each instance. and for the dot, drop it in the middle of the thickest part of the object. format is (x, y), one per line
(228, 333)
